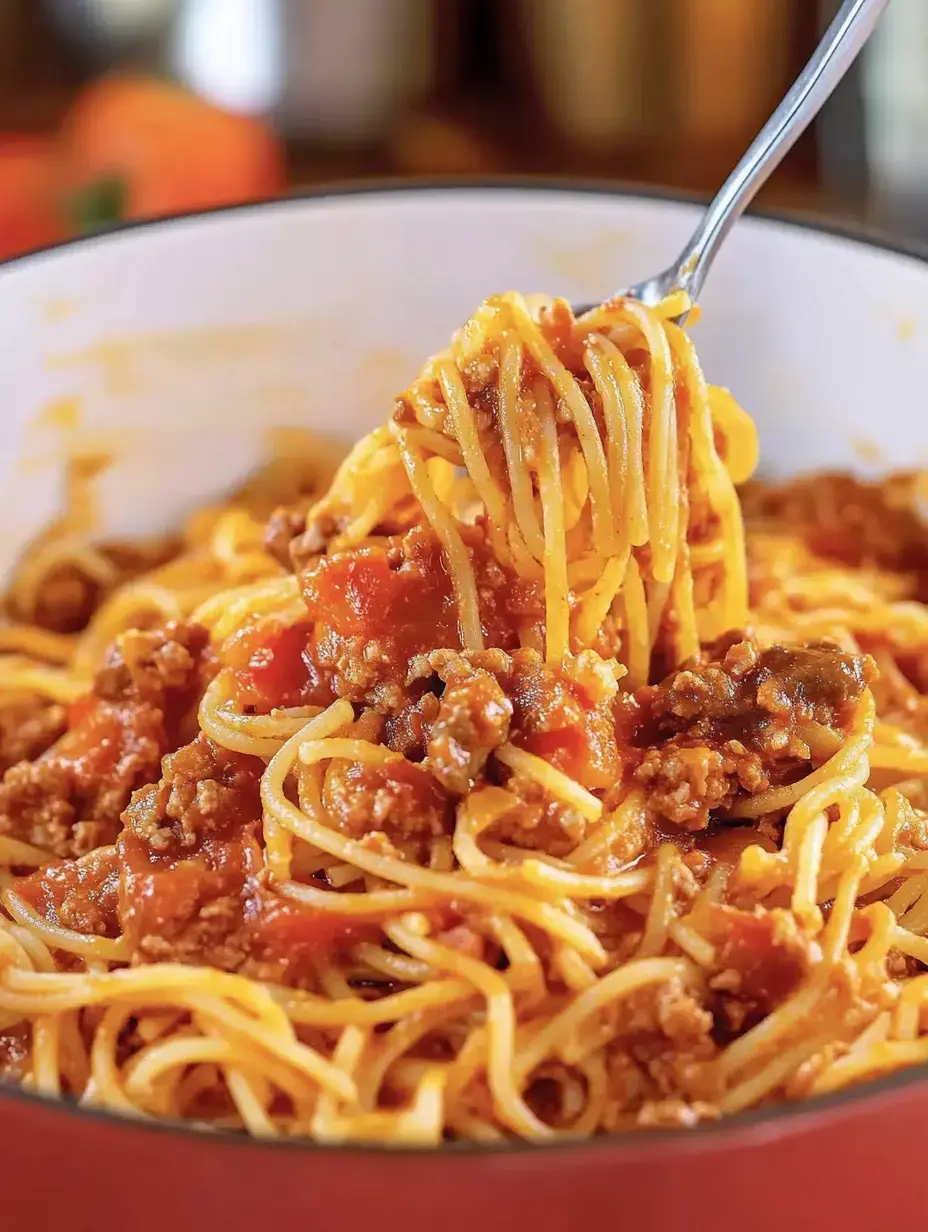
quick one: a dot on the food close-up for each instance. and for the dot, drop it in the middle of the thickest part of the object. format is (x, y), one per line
(463, 644)
(525, 780)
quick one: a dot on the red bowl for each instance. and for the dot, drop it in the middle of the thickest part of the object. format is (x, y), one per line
(848, 1161)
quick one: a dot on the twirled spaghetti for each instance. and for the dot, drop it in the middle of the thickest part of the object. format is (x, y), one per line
(510, 788)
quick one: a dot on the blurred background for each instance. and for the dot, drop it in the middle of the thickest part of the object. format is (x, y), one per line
(664, 92)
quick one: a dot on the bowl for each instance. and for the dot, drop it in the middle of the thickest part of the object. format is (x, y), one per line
(188, 351)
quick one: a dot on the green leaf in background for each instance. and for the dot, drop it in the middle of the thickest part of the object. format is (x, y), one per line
(99, 205)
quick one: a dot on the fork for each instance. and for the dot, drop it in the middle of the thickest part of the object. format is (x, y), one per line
(837, 51)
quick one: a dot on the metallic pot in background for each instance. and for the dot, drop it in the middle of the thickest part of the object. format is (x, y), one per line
(350, 69)
(337, 72)
(103, 32)
(895, 93)
(730, 67)
(589, 60)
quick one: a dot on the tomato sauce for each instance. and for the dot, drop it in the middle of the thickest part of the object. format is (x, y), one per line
(273, 666)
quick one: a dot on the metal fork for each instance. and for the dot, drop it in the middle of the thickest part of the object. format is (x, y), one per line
(837, 51)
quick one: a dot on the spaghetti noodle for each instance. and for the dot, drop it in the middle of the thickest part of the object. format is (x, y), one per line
(512, 785)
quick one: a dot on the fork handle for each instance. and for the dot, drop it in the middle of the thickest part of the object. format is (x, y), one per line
(839, 47)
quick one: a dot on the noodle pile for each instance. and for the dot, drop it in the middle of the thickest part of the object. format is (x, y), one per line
(483, 981)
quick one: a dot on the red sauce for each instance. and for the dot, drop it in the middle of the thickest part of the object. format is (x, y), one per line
(78, 894)
(380, 606)
(555, 719)
(273, 666)
(211, 907)
(99, 732)
(81, 708)
(159, 893)
(370, 612)
(400, 600)
(285, 930)
(763, 947)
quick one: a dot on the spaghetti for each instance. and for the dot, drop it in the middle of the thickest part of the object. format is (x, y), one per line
(513, 785)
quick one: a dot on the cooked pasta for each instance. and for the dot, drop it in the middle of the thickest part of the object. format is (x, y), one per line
(522, 780)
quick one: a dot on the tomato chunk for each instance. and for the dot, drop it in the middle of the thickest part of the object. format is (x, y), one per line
(76, 894)
(273, 667)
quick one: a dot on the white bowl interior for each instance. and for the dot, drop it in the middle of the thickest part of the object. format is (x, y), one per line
(178, 349)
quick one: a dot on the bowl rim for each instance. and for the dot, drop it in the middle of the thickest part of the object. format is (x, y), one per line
(864, 234)
(744, 1127)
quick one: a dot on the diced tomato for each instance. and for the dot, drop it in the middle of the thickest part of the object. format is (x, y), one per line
(284, 929)
(764, 947)
(273, 667)
(554, 720)
(564, 748)
(100, 733)
(160, 894)
(401, 611)
(80, 894)
(177, 899)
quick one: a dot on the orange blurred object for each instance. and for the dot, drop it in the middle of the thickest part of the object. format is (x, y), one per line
(28, 218)
(137, 147)
(424, 144)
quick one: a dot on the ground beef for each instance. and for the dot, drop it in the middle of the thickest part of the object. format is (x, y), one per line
(762, 957)
(379, 607)
(166, 668)
(473, 719)
(69, 800)
(668, 1009)
(312, 541)
(193, 887)
(284, 526)
(203, 789)
(214, 907)
(565, 714)
(740, 692)
(187, 854)
(686, 784)
(737, 720)
(188, 908)
(375, 609)
(28, 726)
(467, 705)
(398, 798)
(408, 732)
(662, 1040)
(78, 894)
(535, 822)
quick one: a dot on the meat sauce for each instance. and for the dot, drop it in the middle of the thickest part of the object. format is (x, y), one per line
(739, 721)
(565, 716)
(28, 727)
(177, 819)
(191, 872)
(376, 609)
(185, 881)
(272, 666)
(68, 801)
(78, 894)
